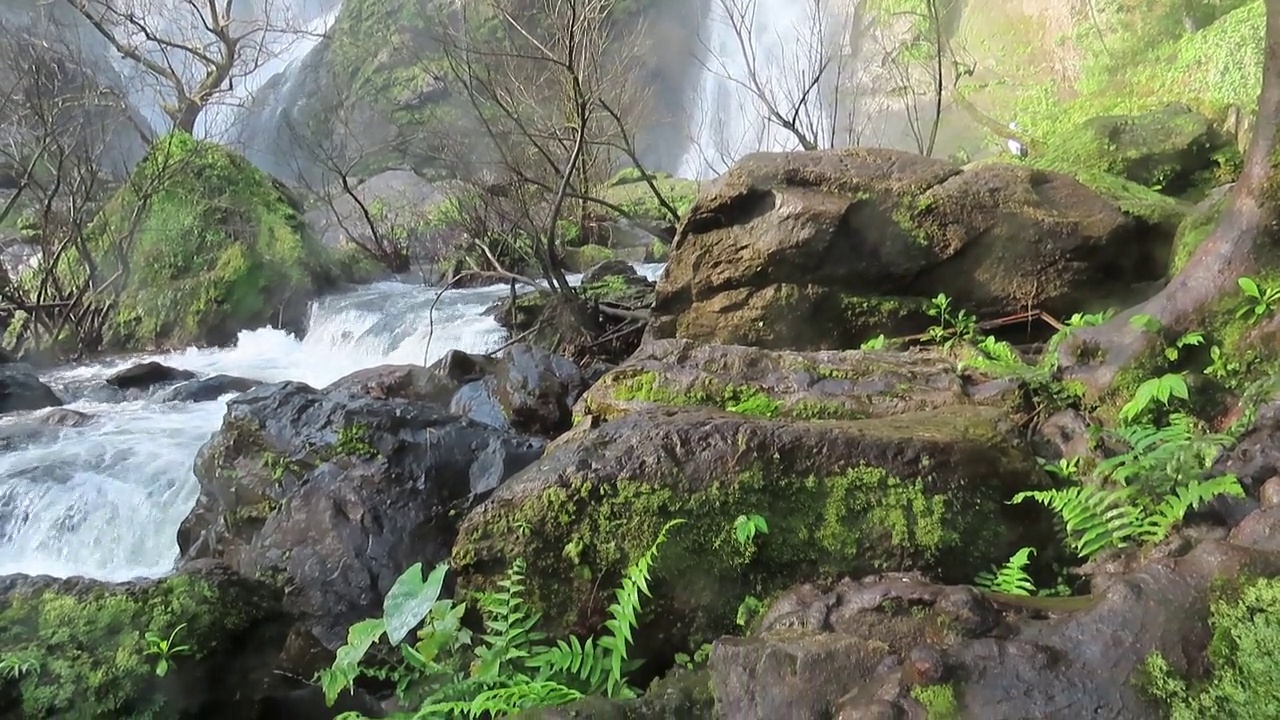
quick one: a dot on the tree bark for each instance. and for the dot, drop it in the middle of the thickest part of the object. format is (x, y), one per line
(1245, 242)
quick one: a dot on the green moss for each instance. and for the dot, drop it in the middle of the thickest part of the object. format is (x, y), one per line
(1193, 231)
(89, 648)
(1244, 655)
(354, 441)
(883, 315)
(854, 522)
(939, 701)
(581, 259)
(637, 200)
(218, 248)
(647, 386)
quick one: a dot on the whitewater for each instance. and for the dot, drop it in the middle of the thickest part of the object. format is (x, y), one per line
(105, 500)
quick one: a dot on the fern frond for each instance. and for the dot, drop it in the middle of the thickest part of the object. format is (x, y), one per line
(1156, 526)
(1095, 519)
(1010, 578)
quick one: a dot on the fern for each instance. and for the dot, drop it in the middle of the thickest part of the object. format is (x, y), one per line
(1010, 578)
(1095, 519)
(509, 633)
(1156, 525)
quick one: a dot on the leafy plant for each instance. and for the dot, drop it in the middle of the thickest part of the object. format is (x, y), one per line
(876, 343)
(1222, 366)
(165, 648)
(449, 673)
(14, 667)
(748, 609)
(746, 527)
(1063, 468)
(1010, 578)
(1259, 300)
(952, 324)
(1190, 339)
(1163, 389)
(699, 657)
(1096, 519)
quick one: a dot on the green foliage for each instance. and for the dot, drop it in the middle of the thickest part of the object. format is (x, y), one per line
(1097, 519)
(637, 200)
(1260, 300)
(353, 441)
(1164, 389)
(939, 701)
(1245, 657)
(876, 343)
(448, 674)
(89, 655)
(165, 649)
(213, 246)
(952, 324)
(1010, 578)
(746, 527)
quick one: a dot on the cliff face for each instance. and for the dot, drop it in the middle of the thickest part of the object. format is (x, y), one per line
(376, 85)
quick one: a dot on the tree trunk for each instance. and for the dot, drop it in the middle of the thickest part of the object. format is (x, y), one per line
(1246, 242)
(185, 118)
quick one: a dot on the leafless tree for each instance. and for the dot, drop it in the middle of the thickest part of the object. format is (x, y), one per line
(549, 85)
(195, 53)
(917, 57)
(790, 81)
(56, 129)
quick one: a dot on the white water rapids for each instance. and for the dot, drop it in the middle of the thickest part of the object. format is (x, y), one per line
(105, 500)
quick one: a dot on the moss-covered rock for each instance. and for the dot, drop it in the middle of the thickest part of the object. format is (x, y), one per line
(831, 385)
(1194, 229)
(217, 247)
(77, 649)
(1165, 150)
(824, 250)
(918, 490)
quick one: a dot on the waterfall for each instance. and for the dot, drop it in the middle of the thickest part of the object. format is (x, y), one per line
(105, 500)
(278, 33)
(759, 53)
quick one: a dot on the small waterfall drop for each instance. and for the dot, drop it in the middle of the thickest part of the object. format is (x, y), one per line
(755, 48)
(105, 500)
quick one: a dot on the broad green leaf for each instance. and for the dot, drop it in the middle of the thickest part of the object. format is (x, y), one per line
(410, 599)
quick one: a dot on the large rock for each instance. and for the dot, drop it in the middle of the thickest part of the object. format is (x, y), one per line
(22, 390)
(899, 646)
(147, 375)
(830, 385)
(1170, 149)
(523, 388)
(85, 644)
(920, 490)
(334, 494)
(220, 247)
(823, 250)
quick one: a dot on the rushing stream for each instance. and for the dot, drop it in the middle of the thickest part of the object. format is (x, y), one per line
(105, 500)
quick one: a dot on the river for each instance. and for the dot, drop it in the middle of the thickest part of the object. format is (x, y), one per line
(105, 500)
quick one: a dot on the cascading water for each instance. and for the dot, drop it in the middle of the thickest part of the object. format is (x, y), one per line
(105, 500)
(752, 48)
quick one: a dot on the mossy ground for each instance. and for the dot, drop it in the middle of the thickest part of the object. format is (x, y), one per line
(649, 387)
(217, 248)
(1244, 655)
(628, 191)
(89, 649)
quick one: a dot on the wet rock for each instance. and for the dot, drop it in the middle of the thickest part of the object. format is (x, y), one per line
(537, 390)
(823, 250)
(147, 375)
(65, 418)
(21, 390)
(435, 383)
(975, 654)
(86, 641)
(335, 494)
(1065, 435)
(207, 389)
(918, 490)
(848, 384)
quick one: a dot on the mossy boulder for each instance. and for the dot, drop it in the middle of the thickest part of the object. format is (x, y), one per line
(1170, 150)
(826, 249)
(217, 247)
(80, 649)
(919, 490)
(828, 385)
